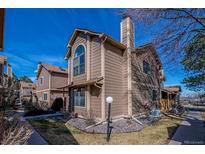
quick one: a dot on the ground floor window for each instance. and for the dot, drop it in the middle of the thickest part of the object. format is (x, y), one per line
(45, 96)
(154, 95)
(79, 97)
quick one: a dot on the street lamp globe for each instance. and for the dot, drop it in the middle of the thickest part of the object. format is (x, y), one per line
(109, 100)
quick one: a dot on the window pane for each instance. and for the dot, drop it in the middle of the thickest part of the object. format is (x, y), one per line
(82, 59)
(79, 97)
(80, 50)
(75, 97)
(82, 69)
(154, 93)
(75, 71)
(82, 97)
(146, 67)
(76, 61)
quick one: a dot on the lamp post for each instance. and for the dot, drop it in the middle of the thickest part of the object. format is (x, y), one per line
(109, 101)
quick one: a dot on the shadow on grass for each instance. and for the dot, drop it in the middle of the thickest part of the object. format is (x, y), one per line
(54, 132)
(171, 131)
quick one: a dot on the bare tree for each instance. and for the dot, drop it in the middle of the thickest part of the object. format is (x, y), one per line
(12, 131)
(174, 28)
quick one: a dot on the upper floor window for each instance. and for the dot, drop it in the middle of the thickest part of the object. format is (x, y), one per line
(79, 61)
(146, 68)
(41, 80)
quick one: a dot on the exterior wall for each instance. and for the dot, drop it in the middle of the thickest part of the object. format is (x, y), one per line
(95, 58)
(40, 96)
(95, 71)
(56, 94)
(114, 80)
(143, 84)
(58, 80)
(1, 74)
(41, 89)
(45, 85)
(81, 39)
(95, 94)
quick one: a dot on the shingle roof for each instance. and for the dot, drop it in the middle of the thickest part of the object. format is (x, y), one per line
(56, 69)
(51, 68)
(174, 89)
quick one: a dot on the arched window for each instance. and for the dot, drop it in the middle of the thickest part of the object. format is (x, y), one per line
(79, 61)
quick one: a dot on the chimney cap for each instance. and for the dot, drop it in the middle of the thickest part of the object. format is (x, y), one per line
(125, 15)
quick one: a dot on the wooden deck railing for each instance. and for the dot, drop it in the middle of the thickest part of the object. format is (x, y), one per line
(166, 104)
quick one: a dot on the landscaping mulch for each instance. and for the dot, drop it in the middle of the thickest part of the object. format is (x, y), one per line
(119, 126)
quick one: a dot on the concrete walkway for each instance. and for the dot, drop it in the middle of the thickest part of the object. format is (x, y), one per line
(35, 138)
(190, 131)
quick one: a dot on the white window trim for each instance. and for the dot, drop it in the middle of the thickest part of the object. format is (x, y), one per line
(47, 96)
(85, 60)
(42, 77)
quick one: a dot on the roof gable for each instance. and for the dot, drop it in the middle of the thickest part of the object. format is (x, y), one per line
(91, 33)
(51, 68)
(143, 49)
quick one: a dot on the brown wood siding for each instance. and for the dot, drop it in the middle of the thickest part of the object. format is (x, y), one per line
(95, 106)
(45, 85)
(95, 58)
(143, 84)
(81, 39)
(40, 96)
(58, 80)
(114, 80)
(95, 62)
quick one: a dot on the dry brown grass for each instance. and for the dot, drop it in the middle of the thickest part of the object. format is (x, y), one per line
(55, 132)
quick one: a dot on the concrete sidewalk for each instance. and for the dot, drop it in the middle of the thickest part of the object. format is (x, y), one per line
(190, 131)
(35, 138)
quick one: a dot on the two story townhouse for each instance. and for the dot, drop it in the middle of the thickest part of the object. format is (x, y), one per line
(100, 66)
(49, 78)
(27, 91)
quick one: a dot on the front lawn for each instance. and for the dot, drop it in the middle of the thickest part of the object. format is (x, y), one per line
(55, 132)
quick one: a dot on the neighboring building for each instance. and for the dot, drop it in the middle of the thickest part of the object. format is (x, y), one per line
(49, 78)
(1, 28)
(169, 95)
(3, 62)
(27, 91)
(100, 66)
(4, 77)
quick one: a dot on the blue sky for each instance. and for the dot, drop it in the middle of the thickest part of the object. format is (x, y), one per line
(33, 35)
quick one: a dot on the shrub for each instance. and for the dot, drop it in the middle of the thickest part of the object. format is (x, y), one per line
(13, 132)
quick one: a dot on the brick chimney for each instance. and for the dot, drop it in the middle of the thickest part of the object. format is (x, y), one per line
(127, 38)
(127, 32)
